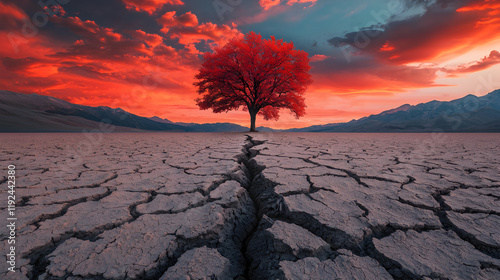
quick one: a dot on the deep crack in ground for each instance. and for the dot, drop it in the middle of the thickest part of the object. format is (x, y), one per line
(322, 207)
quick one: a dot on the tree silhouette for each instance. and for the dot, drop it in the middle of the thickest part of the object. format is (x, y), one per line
(261, 75)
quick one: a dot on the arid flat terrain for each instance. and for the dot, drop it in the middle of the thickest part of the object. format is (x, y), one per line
(253, 206)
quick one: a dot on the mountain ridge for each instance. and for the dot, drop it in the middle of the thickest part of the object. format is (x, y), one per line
(40, 113)
(467, 114)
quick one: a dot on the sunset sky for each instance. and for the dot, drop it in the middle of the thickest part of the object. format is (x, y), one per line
(141, 56)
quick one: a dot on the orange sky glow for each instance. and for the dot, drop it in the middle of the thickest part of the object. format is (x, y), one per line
(151, 72)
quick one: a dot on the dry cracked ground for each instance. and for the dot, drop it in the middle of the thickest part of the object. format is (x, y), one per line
(259, 206)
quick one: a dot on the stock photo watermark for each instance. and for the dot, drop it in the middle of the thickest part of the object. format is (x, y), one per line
(11, 218)
(225, 6)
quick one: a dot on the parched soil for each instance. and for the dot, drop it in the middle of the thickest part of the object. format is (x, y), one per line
(253, 206)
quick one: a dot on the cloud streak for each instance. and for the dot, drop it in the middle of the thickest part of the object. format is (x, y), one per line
(149, 6)
(486, 62)
(268, 4)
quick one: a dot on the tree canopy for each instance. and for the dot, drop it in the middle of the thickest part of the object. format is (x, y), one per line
(260, 75)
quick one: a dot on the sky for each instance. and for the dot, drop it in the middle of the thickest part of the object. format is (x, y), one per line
(142, 55)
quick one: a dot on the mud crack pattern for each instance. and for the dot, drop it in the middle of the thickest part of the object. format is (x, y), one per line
(259, 206)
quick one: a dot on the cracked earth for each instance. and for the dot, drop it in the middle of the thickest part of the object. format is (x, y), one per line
(257, 206)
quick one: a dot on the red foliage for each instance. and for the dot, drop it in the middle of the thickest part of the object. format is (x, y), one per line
(261, 75)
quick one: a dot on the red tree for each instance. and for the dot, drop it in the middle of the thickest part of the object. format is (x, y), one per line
(261, 75)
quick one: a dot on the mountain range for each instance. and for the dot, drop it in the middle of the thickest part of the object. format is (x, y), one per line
(466, 114)
(39, 113)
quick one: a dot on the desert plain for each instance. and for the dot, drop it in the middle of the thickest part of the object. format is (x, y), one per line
(253, 206)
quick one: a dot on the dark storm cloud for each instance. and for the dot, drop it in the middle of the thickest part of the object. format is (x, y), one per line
(422, 37)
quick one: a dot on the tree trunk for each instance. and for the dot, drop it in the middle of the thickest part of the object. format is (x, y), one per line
(253, 115)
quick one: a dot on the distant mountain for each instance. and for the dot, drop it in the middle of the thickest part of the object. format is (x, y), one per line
(402, 108)
(467, 114)
(160, 120)
(314, 128)
(218, 127)
(38, 113)
(211, 127)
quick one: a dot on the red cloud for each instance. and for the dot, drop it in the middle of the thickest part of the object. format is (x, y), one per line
(102, 67)
(105, 44)
(149, 6)
(219, 34)
(318, 58)
(151, 40)
(188, 31)
(487, 5)
(268, 4)
(291, 2)
(386, 47)
(484, 63)
(10, 13)
(99, 42)
(78, 26)
(170, 19)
